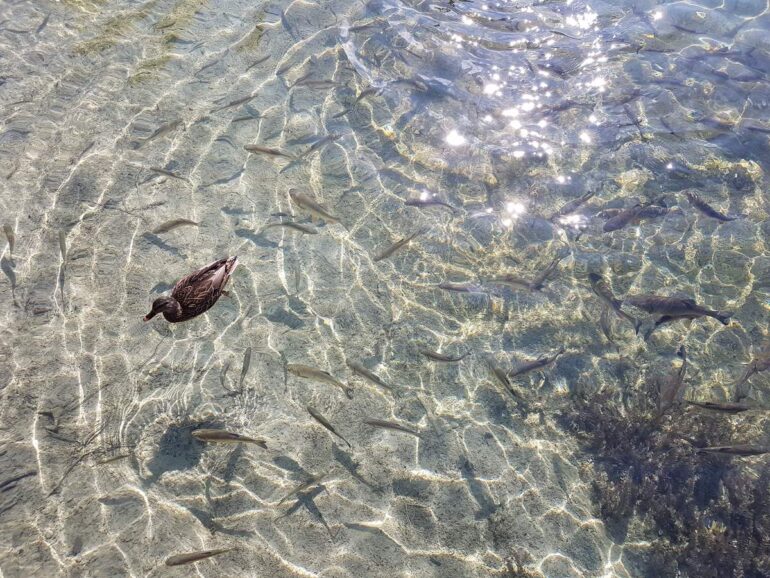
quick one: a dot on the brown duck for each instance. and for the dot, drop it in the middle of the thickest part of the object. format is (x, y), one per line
(196, 293)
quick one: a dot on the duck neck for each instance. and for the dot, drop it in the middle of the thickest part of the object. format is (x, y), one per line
(172, 310)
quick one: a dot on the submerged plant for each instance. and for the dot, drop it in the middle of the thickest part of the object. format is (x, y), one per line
(707, 515)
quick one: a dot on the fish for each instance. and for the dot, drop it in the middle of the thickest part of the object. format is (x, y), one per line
(63, 244)
(365, 373)
(235, 102)
(429, 202)
(168, 173)
(603, 291)
(43, 24)
(737, 450)
(385, 253)
(245, 367)
(705, 208)
(316, 210)
(190, 557)
(435, 356)
(538, 363)
(161, 130)
(223, 374)
(319, 375)
(757, 365)
(321, 143)
(11, 236)
(538, 282)
(292, 225)
(7, 266)
(623, 218)
(513, 281)
(324, 422)
(669, 387)
(224, 436)
(113, 459)
(173, 224)
(725, 407)
(461, 287)
(571, 206)
(392, 425)
(268, 151)
(312, 481)
(675, 307)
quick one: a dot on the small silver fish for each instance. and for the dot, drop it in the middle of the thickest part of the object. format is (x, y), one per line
(268, 151)
(538, 363)
(324, 422)
(365, 373)
(168, 173)
(190, 557)
(603, 291)
(63, 244)
(392, 426)
(161, 130)
(395, 247)
(307, 372)
(245, 367)
(173, 224)
(315, 209)
(292, 225)
(223, 436)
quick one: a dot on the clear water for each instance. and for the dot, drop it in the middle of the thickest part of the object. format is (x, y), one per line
(505, 111)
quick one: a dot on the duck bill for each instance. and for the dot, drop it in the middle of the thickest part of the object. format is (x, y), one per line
(150, 315)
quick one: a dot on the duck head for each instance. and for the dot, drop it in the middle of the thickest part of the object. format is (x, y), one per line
(167, 305)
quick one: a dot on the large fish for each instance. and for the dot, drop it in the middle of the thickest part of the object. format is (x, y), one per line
(223, 436)
(315, 209)
(705, 208)
(675, 307)
(319, 375)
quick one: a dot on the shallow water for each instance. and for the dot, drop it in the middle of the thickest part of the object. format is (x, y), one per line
(505, 112)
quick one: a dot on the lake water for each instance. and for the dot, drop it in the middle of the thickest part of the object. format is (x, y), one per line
(554, 160)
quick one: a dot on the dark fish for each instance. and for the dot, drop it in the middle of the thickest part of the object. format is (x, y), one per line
(223, 374)
(292, 225)
(43, 24)
(392, 425)
(737, 450)
(396, 246)
(725, 407)
(190, 557)
(363, 372)
(245, 367)
(622, 219)
(435, 356)
(173, 224)
(603, 291)
(705, 208)
(502, 377)
(675, 307)
(267, 151)
(223, 436)
(324, 422)
(11, 236)
(308, 372)
(538, 363)
(429, 202)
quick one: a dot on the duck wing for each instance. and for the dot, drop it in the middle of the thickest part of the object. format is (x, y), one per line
(199, 290)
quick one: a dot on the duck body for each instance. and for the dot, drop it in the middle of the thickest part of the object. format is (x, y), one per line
(196, 293)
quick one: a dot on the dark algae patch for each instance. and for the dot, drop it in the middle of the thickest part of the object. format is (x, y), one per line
(703, 515)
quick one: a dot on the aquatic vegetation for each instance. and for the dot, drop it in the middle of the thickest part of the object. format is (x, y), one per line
(704, 515)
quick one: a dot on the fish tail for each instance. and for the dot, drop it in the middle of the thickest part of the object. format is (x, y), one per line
(723, 316)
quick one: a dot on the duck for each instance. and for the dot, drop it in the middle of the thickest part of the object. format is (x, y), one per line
(196, 293)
